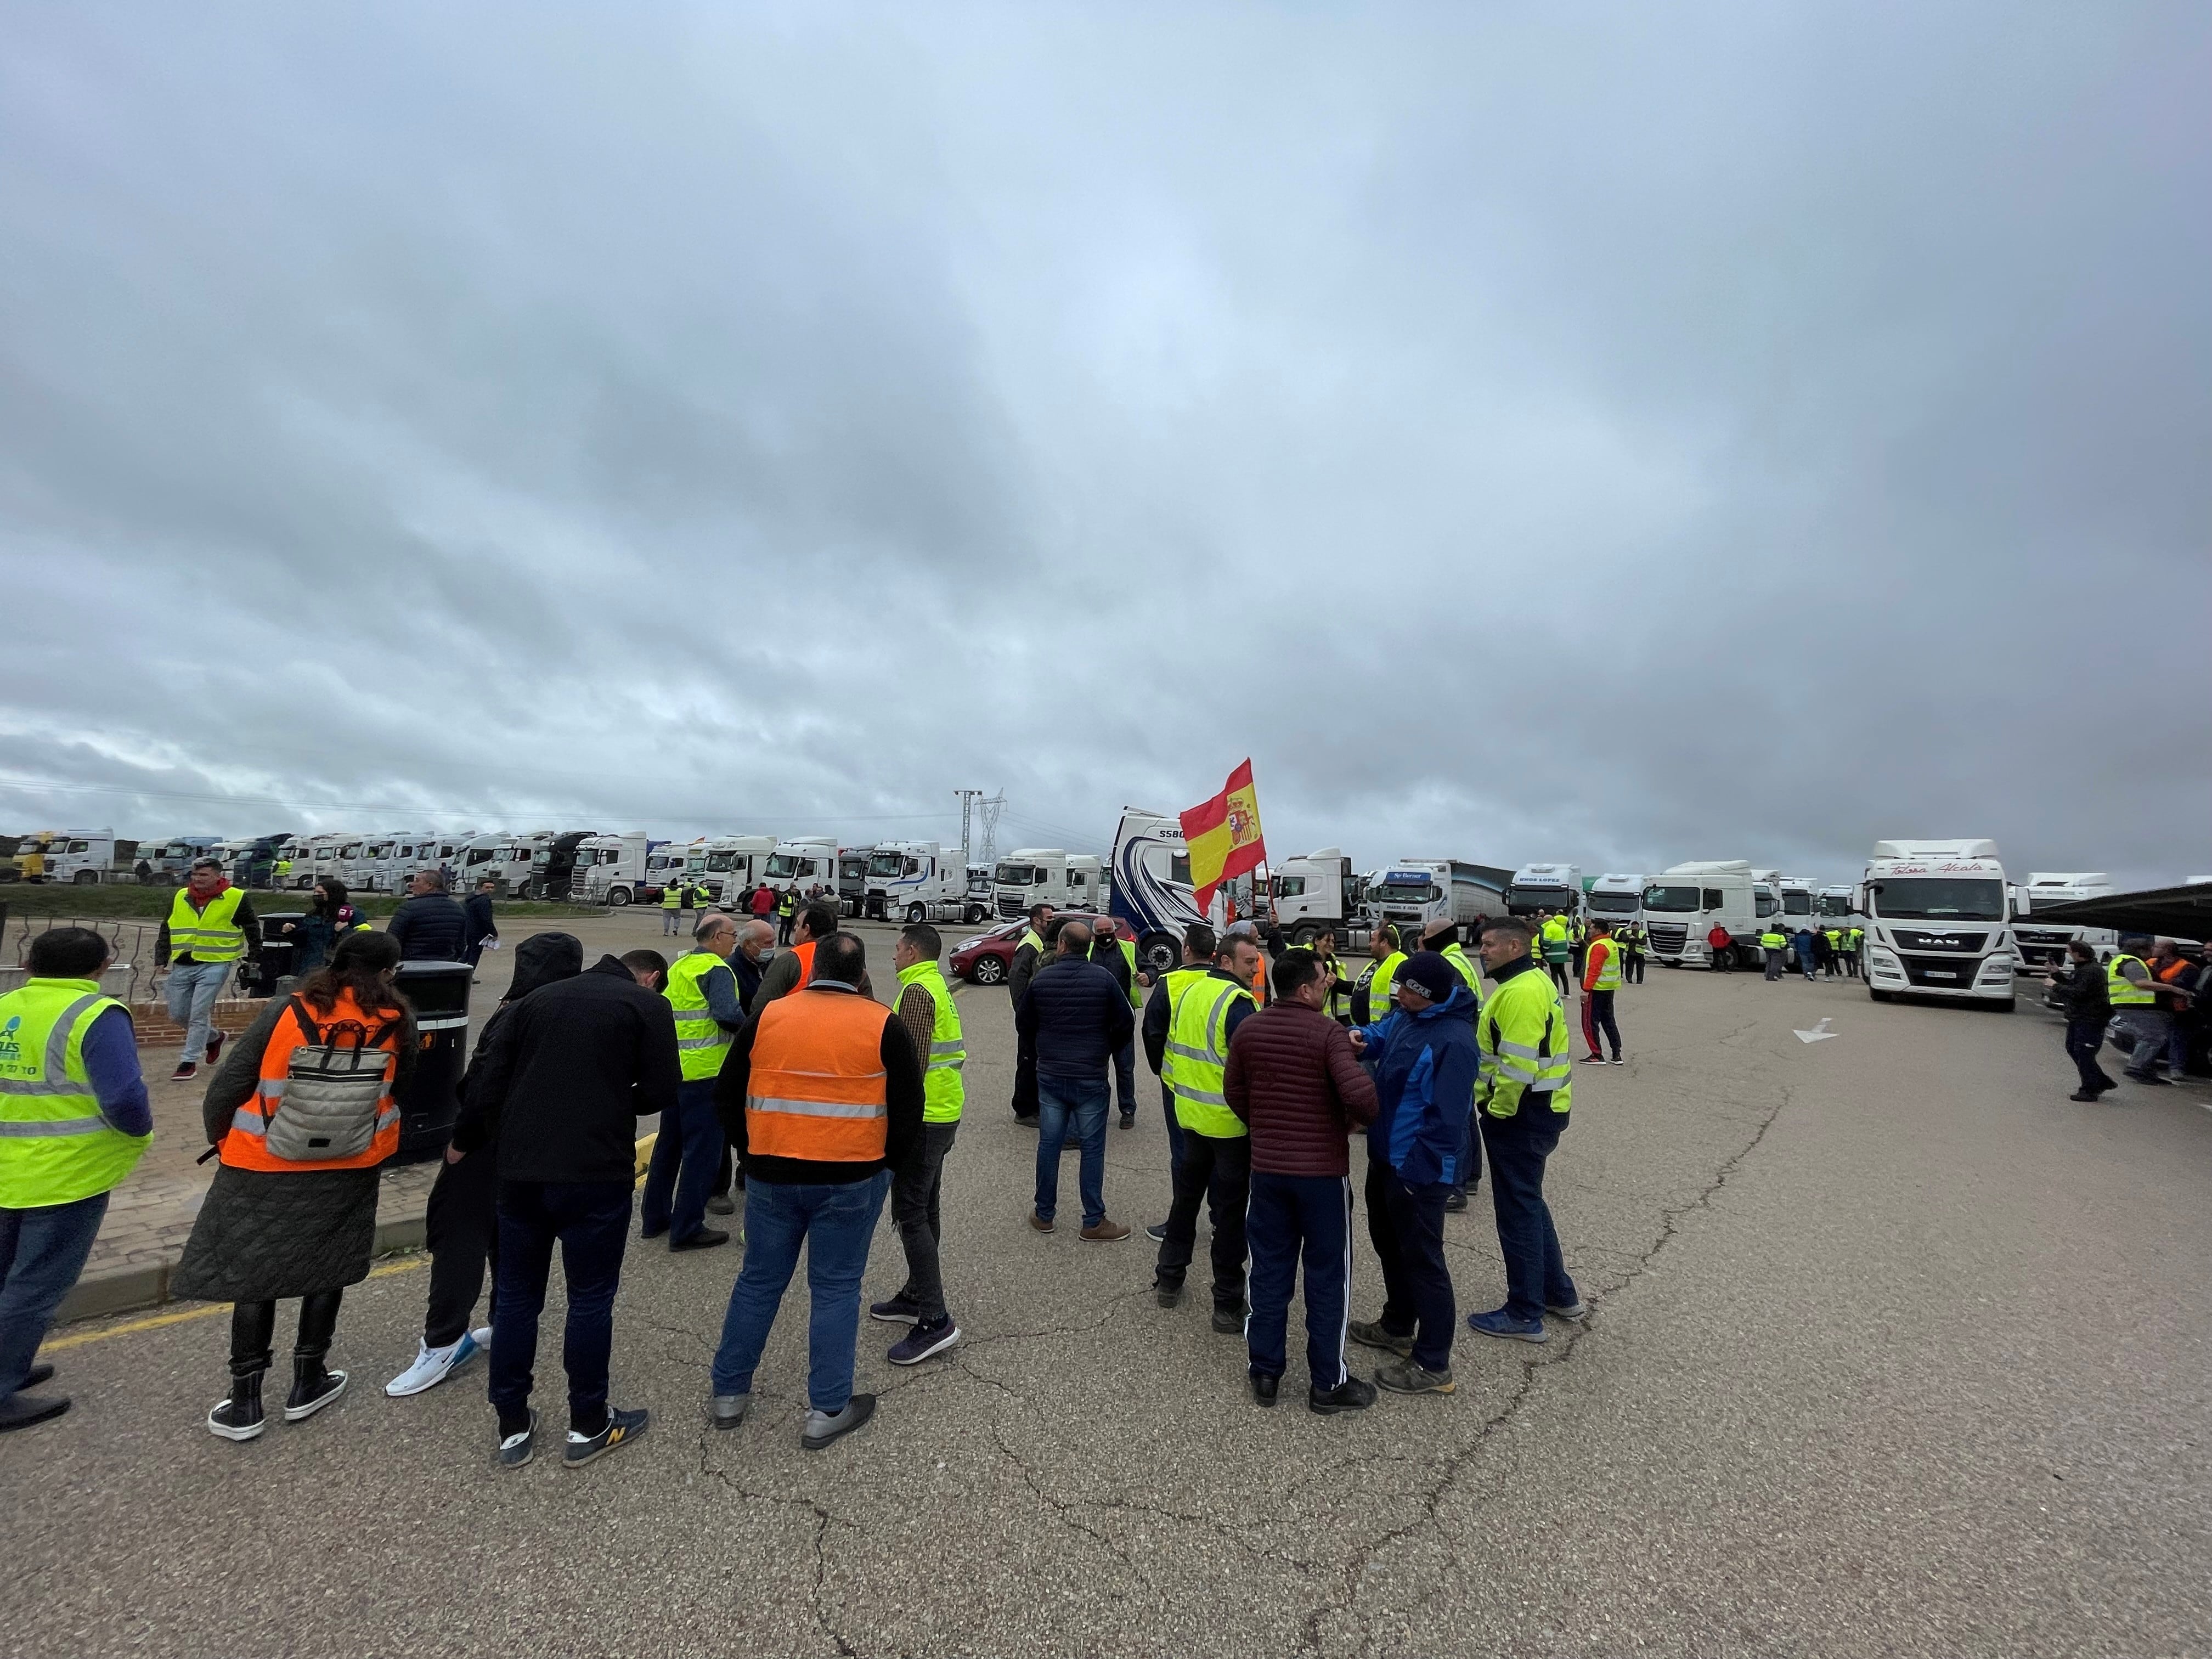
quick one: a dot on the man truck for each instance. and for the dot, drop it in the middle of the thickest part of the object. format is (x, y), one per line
(1936, 923)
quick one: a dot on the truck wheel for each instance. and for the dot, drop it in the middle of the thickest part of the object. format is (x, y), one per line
(617, 896)
(915, 913)
(87, 878)
(1305, 935)
(973, 915)
(989, 971)
(1157, 953)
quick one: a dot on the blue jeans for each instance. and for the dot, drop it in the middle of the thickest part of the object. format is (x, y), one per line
(1289, 1213)
(836, 1222)
(42, 1251)
(686, 1156)
(591, 1221)
(1535, 1276)
(190, 991)
(1083, 1099)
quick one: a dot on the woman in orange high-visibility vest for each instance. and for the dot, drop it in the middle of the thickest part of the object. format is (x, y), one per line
(301, 1112)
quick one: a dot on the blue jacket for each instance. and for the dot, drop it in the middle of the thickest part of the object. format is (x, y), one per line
(1079, 1016)
(1425, 1066)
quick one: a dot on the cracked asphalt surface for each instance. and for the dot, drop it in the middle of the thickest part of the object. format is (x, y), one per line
(1893, 1350)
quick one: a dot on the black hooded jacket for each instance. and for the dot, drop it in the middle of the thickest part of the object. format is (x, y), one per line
(565, 1071)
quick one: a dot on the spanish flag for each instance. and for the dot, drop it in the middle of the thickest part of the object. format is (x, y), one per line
(1223, 835)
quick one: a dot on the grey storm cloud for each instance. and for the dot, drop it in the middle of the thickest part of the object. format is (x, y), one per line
(1623, 436)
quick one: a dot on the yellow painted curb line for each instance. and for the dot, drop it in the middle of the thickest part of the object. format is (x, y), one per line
(208, 1312)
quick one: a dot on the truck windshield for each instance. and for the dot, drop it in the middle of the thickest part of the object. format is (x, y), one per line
(719, 861)
(881, 866)
(782, 867)
(1673, 900)
(1831, 904)
(1796, 904)
(1935, 899)
(851, 869)
(1610, 904)
(1016, 875)
(1535, 898)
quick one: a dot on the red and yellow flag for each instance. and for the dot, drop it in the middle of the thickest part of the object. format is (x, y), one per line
(1223, 835)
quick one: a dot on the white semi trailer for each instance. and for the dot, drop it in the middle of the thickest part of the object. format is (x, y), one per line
(1937, 915)
(1413, 894)
(2042, 945)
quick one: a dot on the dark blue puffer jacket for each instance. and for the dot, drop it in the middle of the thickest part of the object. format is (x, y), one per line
(1424, 1088)
(1079, 1016)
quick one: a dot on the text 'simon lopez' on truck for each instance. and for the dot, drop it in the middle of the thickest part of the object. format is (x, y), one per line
(1936, 914)
(1557, 888)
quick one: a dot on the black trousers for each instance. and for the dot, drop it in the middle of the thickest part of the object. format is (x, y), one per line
(253, 1328)
(2084, 1037)
(1631, 968)
(1405, 1224)
(460, 1227)
(1219, 1171)
(1558, 973)
(1025, 1093)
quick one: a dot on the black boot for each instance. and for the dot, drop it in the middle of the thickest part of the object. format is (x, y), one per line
(312, 1388)
(238, 1415)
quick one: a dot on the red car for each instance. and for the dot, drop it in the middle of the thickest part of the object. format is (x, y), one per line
(988, 958)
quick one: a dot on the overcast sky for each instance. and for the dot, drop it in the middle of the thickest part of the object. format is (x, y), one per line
(1609, 434)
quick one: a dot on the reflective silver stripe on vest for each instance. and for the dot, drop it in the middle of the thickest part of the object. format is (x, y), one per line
(1189, 1053)
(248, 1121)
(1525, 1050)
(55, 1063)
(953, 1046)
(273, 1087)
(717, 1040)
(815, 1108)
(956, 1063)
(693, 1016)
(1201, 1096)
(56, 1125)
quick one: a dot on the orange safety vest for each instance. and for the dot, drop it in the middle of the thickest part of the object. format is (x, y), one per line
(805, 952)
(246, 1146)
(816, 1089)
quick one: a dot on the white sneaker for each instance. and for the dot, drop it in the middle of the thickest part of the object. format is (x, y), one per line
(432, 1367)
(482, 1336)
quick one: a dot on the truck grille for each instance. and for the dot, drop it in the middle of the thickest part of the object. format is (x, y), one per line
(1668, 938)
(1911, 938)
(1009, 906)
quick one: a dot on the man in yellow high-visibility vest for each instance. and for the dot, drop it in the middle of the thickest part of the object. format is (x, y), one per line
(74, 1121)
(932, 1018)
(210, 927)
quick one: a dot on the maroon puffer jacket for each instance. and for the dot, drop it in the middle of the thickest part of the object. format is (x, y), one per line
(1295, 1081)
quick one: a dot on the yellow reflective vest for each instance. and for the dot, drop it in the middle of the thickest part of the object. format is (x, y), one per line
(2125, 993)
(943, 1091)
(1198, 1039)
(1521, 1037)
(1379, 977)
(55, 1147)
(209, 935)
(702, 1044)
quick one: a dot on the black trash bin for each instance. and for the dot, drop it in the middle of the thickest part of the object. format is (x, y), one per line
(278, 953)
(429, 1100)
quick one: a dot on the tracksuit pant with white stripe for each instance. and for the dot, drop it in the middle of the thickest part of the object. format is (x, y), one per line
(1290, 1215)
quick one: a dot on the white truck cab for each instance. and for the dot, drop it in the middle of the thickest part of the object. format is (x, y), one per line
(735, 863)
(1838, 906)
(1683, 904)
(807, 862)
(2042, 945)
(84, 857)
(1796, 894)
(1937, 915)
(1411, 894)
(1048, 875)
(1618, 899)
(1314, 891)
(1557, 888)
(615, 870)
(916, 881)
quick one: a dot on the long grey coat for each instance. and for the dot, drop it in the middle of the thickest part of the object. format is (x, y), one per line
(265, 1235)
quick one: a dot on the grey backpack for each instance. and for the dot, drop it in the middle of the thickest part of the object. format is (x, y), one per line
(332, 1089)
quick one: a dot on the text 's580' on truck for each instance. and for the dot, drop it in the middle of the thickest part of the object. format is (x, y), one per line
(1937, 916)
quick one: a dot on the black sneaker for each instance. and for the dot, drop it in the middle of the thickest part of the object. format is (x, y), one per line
(516, 1449)
(1407, 1377)
(2083, 1095)
(923, 1341)
(1351, 1395)
(1265, 1389)
(2151, 1078)
(21, 1410)
(824, 1427)
(1157, 1233)
(1229, 1322)
(312, 1388)
(721, 1204)
(705, 1239)
(621, 1428)
(1455, 1200)
(1369, 1333)
(899, 1310)
(1128, 1120)
(238, 1415)
(186, 1069)
(1169, 1296)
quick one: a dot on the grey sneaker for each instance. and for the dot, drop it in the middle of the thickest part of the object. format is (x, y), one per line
(824, 1427)
(729, 1410)
(1576, 1309)
(1407, 1377)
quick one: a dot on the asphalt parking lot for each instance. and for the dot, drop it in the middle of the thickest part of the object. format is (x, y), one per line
(1894, 1351)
